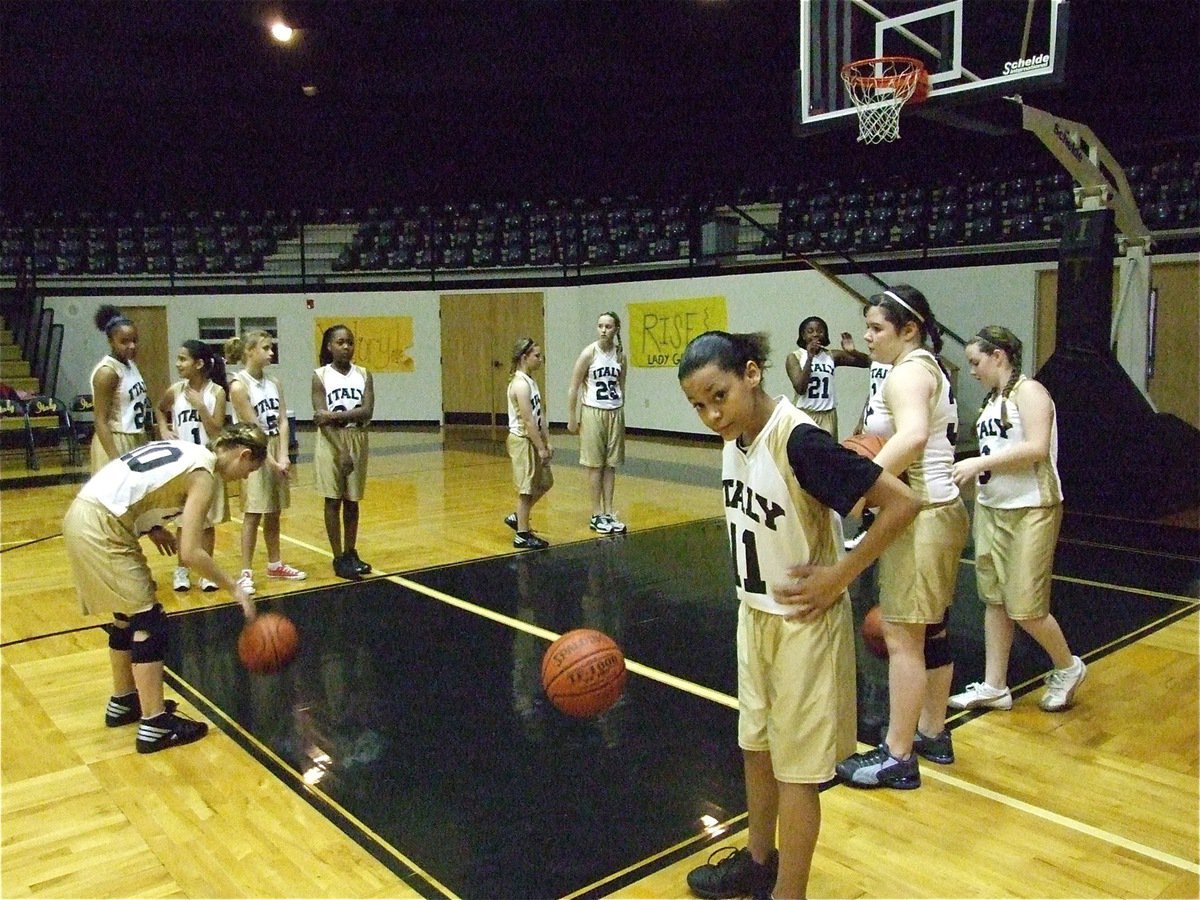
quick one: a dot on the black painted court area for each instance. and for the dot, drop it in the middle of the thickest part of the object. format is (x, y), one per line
(426, 723)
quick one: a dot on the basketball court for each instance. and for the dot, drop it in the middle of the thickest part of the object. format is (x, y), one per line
(413, 724)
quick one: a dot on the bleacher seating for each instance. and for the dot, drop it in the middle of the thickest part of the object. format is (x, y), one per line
(895, 214)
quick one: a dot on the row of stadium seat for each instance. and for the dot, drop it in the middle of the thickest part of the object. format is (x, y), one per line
(892, 214)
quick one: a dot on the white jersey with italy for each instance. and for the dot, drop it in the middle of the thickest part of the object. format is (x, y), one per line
(603, 388)
(875, 379)
(1000, 427)
(185, 418)
(343, 392)
(930, 476)
(782, 507)
(148, 485)
(516, 424)
(818, 394)
(130, 414)
(264, 400)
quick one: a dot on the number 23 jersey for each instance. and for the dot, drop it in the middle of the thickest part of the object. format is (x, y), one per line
(781, 494)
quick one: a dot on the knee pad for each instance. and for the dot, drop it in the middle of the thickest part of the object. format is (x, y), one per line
(152, 623)
(120, 636)
(937, 646)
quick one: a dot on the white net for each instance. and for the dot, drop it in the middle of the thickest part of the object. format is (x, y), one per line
(879, 88)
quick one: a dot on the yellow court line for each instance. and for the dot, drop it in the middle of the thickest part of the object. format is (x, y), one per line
(291, 540)
(1067, 822)
(286, 766)
(654, 857)
(1100, 834)
(636, 667)
(1138, 550)
(1107, 585)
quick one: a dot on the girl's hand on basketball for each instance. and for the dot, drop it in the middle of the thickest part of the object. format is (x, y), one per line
(811, 589)
(242, 599)
(163, 540)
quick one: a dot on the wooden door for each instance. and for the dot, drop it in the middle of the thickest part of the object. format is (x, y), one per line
(155, 358)
(1175, 384)
(478, 334)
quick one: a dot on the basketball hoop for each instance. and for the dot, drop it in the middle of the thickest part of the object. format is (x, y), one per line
(879, 87)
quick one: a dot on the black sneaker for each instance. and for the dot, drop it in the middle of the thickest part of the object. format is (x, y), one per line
(527, 540)
(168, 730)
(938, 749)
(343, 567)
(878, 768)
(363, 568)
(127, 709)
(511, 521)
(736, 874)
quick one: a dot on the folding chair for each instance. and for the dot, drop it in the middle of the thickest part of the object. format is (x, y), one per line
(14, 430)
(83, 423)
(50, 426)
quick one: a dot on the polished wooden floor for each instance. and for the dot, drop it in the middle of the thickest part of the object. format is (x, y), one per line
(1101, 801)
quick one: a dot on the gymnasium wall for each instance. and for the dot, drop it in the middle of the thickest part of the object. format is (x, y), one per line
(963, 299)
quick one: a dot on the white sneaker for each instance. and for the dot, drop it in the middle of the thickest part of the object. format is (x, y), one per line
(180, 581)
(1061, 685)
(246, 582)
(600, 523)
(981, 694)
(208, 586)
(616, 526)
(283, 570)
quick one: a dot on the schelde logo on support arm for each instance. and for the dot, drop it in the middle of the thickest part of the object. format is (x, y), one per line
(1041, 61)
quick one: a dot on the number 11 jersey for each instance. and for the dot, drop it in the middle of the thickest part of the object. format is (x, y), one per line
(781, 494)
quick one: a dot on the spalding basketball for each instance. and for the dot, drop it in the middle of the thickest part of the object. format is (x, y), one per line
(268, 643)
(583, 673)
(872, 633)
(867, 445)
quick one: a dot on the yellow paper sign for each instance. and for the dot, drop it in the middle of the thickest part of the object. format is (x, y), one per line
(658, 332)
(381, 343)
